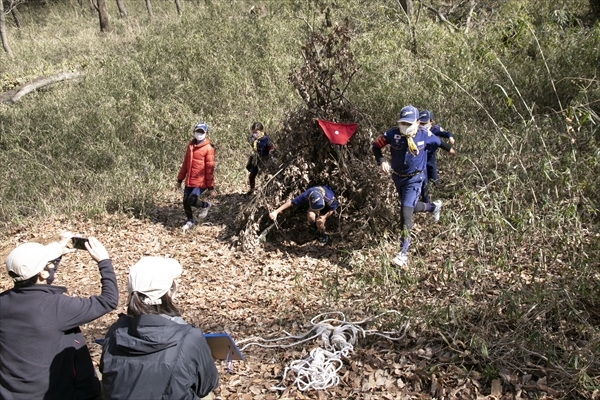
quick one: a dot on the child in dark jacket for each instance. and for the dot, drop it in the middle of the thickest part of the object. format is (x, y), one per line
(43, 353)
(261, 156)
(198, 172)
(426, 120)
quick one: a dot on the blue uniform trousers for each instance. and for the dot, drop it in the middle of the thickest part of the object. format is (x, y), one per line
(409, 188)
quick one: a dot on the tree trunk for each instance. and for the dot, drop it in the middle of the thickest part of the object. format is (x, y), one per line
(121, 8)
(16, 16)
(473, 4)
(5, 44)
(149, 8)
(407, 6)
(179, 9)
(103, 15)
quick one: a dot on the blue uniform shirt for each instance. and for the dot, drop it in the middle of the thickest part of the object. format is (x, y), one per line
(404, 163)
(331, 202)
(440, 132)
(431, 159)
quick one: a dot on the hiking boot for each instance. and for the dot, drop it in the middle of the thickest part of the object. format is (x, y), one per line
(187, 225)
(435, 215)
(203, 212)
(400, 260)
(323, 238)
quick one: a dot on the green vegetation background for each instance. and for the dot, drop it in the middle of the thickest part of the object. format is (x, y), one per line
(114, 139)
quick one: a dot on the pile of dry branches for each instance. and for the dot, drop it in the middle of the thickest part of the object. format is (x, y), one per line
(305, 157)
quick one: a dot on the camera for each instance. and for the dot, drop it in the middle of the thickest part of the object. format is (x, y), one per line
(79, 242)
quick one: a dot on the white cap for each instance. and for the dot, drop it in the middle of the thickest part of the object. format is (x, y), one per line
(29, 259)
(153, 277)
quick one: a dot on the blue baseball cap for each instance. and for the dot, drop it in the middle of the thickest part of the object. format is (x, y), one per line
(316, 201)
(425, 116)
(201, 126)
(408, 114)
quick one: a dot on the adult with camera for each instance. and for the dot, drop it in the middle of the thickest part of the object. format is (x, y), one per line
(152, 353)
(43, 354)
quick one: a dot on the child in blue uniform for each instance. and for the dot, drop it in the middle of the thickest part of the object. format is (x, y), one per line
(321, 204)
(426, 120)
(409, 143)
(262, 147)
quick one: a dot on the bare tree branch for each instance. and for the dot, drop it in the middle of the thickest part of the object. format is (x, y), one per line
(16, 94)
(439, 14)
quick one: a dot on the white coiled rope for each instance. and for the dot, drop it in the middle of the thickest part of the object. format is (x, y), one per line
(319, 370)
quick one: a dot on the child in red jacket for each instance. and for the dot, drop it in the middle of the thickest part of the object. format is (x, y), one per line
(198, 172)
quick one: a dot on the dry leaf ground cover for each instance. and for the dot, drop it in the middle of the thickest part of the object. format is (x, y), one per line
(282, 285)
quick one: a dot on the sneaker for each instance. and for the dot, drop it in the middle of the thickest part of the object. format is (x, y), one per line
(323, 238)
(400, 260)
(187, 225)
(436, 211)
(203, 212)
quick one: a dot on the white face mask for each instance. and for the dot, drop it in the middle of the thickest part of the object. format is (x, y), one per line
(408, 130)
(199, 136)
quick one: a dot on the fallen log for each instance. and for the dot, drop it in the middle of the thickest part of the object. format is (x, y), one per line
(12, 96)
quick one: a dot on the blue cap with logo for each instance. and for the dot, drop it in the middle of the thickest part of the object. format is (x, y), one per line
(425, 116)
(316, 201)
(201, 126)
(408, 114)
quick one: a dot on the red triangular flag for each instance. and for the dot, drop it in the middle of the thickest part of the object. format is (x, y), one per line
(337, 133)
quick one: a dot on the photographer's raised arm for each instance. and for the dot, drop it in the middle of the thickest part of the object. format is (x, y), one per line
(75, 311)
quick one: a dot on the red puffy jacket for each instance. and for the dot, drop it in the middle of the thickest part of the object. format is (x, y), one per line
(198, 166)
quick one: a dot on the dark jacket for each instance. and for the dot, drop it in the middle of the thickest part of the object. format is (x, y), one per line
(43, 354)
(157, 358)
(261, 144)
(431, 158)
